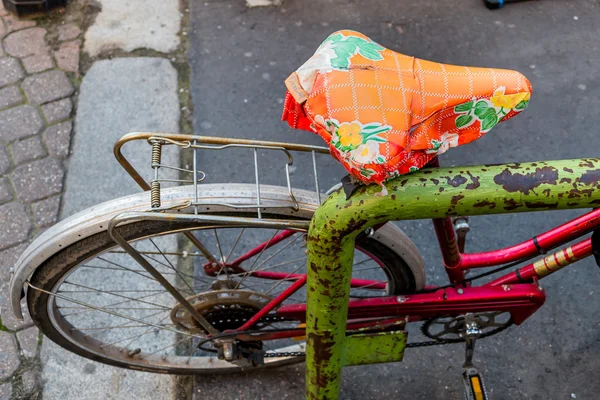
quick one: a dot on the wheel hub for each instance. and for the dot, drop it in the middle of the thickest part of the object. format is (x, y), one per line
(223, 309)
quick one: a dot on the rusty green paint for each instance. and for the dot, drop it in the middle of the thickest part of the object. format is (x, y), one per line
(432, 193)
(373, 348)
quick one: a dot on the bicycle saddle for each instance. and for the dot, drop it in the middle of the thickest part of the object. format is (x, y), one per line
(385, 114)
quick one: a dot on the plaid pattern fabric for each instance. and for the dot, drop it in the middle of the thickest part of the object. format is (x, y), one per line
(384, 113)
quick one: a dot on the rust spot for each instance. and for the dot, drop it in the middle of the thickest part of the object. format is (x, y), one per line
(514, 166)
(348, 204)
(475, 182)
(441, 189)
(546, 192)
(435, 181)
(423, 179)
(566, 180)
(393, 197)
(456, 199)
(322, 345)
(540, 204)
(526, 183)
(567, 169)
(587, 164)
(403, 182)
(483, 169)
(360, 203)
(595, 201)
(572, 204)
(485, 203)
(590, 177)
(456, 181)
(510, 204)
(575, 193)
(353, 225)
(533, 164)
(427, 171)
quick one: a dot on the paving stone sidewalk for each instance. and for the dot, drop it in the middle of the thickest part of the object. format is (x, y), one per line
(36, 110)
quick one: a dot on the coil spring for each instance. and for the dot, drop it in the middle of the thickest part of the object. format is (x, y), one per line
(156, 154)
(155, 194)
(155, 186)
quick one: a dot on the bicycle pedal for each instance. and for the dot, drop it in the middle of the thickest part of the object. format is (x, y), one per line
(474, 387)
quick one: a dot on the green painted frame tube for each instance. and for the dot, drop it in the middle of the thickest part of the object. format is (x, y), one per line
(429, 193)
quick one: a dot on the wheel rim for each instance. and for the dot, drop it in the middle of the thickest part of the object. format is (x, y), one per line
(152, 341)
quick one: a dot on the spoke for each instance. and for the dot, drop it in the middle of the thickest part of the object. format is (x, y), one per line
(114, 308)
(115, 269)
(126, 269)
(172, 267)
(282, 280)
(143, 333)
(271, 257)
(126, 324)
(168, 253)
(166, 347)
(287, 300)
(270, 281)
(269, 267)
(277, 252)
(259, 255)
(219, 246)
(116, 314)
(179, 272)
(120, 269)
(111, 290)
(362, 262)
(134, 337)
(108, 305)
(105, 328)
(235, 244)
(193, 351)
(369, 285)
(123, 297)
(366, 269)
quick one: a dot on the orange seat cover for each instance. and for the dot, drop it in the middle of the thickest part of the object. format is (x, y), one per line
(384, 113)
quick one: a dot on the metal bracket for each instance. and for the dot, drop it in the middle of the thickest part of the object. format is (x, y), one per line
(461, 225)
(373, 348)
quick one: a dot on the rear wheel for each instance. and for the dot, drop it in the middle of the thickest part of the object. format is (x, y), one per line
(94, 300)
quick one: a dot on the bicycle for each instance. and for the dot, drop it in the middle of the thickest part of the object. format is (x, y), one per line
(172, 280)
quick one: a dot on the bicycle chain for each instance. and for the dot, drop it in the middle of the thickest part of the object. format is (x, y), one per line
(409, 345)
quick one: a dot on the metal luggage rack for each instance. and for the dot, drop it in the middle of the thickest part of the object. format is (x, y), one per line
(194, 176)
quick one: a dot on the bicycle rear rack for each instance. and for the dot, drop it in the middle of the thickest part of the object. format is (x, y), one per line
(193, 176)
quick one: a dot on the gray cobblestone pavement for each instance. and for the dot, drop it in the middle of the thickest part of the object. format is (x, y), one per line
(37, 81)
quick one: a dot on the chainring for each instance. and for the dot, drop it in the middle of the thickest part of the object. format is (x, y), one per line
(453, 327)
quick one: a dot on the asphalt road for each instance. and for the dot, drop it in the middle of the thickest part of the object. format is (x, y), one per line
(241, 56)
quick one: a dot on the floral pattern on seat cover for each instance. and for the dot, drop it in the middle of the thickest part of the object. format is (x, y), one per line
(385, 114)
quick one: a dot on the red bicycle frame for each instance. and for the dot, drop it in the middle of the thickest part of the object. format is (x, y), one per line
(516, 292)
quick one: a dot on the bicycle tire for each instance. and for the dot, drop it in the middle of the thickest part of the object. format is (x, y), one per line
(389, 244)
